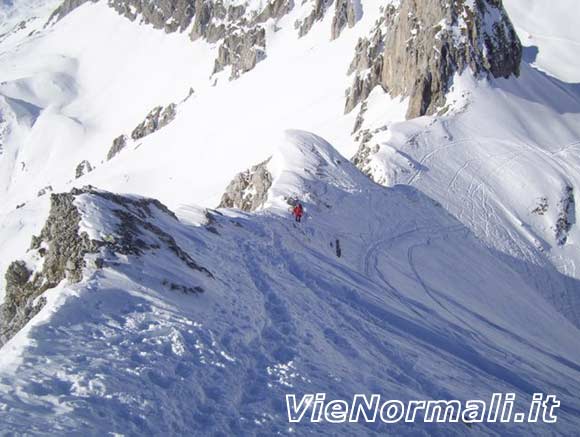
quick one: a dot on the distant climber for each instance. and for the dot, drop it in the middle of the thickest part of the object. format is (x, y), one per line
(298, 212)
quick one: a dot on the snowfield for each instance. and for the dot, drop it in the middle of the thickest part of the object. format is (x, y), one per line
(448, 268)
(415, 307)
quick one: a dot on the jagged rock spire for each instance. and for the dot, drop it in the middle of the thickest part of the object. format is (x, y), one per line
(428, 41)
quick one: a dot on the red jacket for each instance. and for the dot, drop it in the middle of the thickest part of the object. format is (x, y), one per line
(298, 211)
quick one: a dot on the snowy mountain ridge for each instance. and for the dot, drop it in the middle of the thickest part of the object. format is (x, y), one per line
(440, 262)
(297, 297)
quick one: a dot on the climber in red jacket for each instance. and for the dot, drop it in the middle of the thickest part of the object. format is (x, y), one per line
(298, 212)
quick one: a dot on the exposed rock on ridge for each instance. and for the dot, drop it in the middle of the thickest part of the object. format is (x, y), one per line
(429, 41)
(61, 248)
(346, 13)
(211, 19)
(240, 30)
(237, 27)
(83, 168)
(566, 216)
(249, 189)
(275, 9)
(242, 51)
(169, 15)
(158, 118)
(368, 65)
(319, 8)
(136, 233)
(119, 144)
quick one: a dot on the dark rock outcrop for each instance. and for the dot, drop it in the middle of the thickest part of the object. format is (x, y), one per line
(169, 15)
(249, 189)
(137, 232)
(368, 66)
(211, 19)
(388, 169)
(366, 150)
(566, 216)
(542, 207)
(345, 14)
(119, 144)
(243, 38)
(158, 118)
(275, 9)
(317, 14)
(242, 51)
(83, 168)
(63, 249)
(429, 41)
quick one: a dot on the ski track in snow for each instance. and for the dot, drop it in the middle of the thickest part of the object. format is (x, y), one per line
(411, 309)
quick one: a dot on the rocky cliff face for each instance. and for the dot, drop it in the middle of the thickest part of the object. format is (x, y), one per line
(238, 29)
(317, 13)
(427, 42)
(346, 13)
(60, 251)
(119, 144)
(211, 18)
(241, 50)
(275, 9)
(249, 189)
(566, 216)
(368, 66)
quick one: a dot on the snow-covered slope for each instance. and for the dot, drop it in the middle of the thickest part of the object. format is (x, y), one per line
(113, 72)
(458, 280)
(413, 306)
(548, 31)
(506, 166)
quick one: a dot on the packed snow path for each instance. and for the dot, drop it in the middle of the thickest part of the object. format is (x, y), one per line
(414, 308)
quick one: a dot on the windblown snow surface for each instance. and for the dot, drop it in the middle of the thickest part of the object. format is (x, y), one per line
(449, 285)
(415, 307)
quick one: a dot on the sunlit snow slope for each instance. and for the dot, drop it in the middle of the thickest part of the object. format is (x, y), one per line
(459, 264)
(414, 308)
